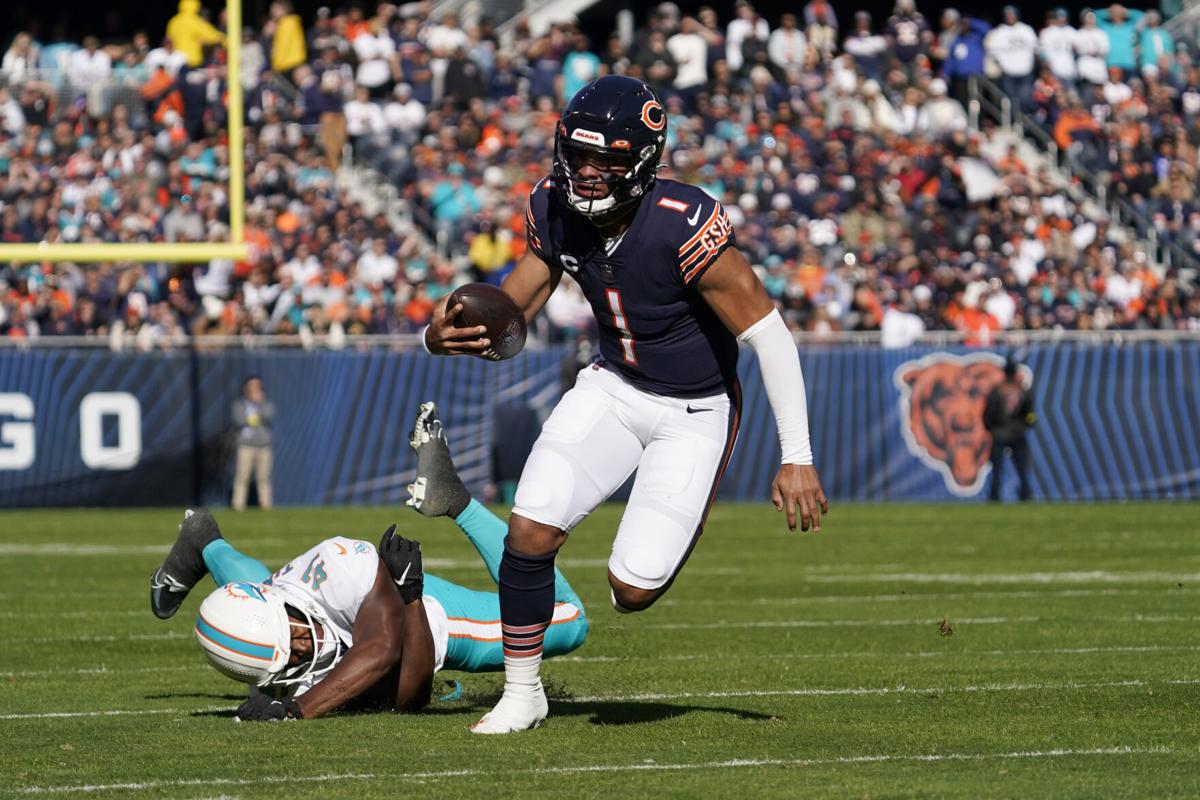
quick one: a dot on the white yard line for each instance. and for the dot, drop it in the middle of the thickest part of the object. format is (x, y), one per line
(71, 549)
(80, 613)
(68, 549)
(112, 712)
(978, 579)
(1057, 651)
(1169, 580)
(859, 691)
(716, 625)
(907, 596)
(836, 623)
(87, 788)
(825, 573)
(833, 599)
(102, 669)
(100, 637)
(862, 691)
(888, 623)
(91, 597)
(645, 766)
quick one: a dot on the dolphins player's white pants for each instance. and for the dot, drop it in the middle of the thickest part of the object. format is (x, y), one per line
(604, 429)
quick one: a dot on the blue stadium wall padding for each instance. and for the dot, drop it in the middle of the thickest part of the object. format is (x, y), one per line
(56, 381)
(1115, 422)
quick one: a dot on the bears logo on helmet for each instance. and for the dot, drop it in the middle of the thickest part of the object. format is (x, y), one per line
(654, 116)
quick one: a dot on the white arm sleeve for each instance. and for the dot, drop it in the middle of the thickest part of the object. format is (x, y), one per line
(780, 364)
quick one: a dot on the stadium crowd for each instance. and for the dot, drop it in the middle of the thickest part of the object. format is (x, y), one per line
(840, 148)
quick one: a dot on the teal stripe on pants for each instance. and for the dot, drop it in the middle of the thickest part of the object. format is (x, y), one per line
(486, 532)
(471, 655)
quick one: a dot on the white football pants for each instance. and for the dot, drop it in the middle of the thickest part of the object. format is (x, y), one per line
(604, 429)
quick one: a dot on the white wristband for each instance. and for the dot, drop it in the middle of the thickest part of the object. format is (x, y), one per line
(424, 341)
(784, 380)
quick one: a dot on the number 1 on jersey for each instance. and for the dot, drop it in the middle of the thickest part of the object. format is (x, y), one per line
(618, 312)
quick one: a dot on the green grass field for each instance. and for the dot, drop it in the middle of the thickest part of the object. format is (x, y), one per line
(779, 666)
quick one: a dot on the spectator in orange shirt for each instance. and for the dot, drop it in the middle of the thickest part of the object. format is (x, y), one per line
(259, 245)
(867, 302)
(811, 276)
(419, 308)
(979, 326)
(1074, 124)
(355, 23)
(1011, 162)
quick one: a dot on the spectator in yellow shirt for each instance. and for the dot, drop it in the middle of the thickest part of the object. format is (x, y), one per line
(288, 50)
(190, 32)
(490, 250)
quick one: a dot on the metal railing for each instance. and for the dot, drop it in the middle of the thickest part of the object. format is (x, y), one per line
(134, 343)
(131, 343)
(502, 12)
(986, 99)
(1185, 26)
(1013, 338)
(122, 88)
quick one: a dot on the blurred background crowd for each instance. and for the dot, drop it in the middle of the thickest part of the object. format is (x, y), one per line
(841, 145)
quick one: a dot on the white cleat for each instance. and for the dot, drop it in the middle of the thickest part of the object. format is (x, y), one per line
(518, 710)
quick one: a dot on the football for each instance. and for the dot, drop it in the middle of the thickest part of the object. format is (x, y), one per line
(487, 305)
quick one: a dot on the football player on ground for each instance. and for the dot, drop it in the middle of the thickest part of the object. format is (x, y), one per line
(345, 624)
(673, 298)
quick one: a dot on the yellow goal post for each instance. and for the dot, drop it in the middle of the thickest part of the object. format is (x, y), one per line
(235, 248)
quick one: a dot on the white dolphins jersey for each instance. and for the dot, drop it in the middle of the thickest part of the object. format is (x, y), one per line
(337, 575)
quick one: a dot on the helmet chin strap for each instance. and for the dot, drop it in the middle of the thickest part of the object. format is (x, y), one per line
(600, 211)
(588, 206)
(624, 192)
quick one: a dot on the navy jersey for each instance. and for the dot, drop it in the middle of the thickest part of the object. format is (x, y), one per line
(655, 329)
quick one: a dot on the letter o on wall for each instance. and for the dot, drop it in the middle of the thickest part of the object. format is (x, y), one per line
(128, 449)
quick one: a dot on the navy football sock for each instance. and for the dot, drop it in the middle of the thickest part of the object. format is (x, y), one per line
(526, 608)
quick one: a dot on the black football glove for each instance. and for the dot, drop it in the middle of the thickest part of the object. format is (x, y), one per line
(403, 559)
(261, 708)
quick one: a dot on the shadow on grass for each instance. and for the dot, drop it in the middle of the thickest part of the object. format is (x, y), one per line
(474, 704)
(600, 712)
(201, 695)
(634, 713)
(228, 713)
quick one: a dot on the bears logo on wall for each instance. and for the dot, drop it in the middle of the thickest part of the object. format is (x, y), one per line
(941, 414)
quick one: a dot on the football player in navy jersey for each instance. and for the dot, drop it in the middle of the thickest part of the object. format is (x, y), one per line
(673, 297)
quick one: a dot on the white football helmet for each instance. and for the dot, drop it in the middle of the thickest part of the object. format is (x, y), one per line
(245, 630)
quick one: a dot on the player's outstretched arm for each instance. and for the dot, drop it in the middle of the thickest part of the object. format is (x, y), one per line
(734, 292)
(415, 686)
(402, 559)
(378, 645)
(531, 283)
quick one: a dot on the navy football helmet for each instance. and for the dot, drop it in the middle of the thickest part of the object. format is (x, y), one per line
(617, 124)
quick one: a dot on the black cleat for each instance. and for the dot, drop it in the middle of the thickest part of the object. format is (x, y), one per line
(437, 491)
(184, 567)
